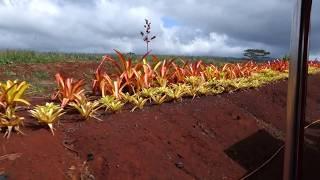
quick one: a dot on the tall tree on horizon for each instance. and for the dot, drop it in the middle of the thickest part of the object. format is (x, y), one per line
(255, 53)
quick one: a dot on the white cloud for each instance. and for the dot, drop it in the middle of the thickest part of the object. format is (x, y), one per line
(212, 27)
(212, 44)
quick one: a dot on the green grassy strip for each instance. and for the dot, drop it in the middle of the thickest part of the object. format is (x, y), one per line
(25, 56)
(19, 56)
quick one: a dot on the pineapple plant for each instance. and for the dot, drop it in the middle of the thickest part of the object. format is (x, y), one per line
(47, 114)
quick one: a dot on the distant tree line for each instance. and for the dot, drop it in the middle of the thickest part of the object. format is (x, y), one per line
(255, 54)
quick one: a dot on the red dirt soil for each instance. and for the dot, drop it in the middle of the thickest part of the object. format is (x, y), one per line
(215, 137)
(44, 74)
(74, 69)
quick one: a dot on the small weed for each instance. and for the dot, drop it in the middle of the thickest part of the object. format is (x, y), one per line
(37, 88)
(9, 73)
(41, 75)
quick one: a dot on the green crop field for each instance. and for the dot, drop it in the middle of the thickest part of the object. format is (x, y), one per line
(25, 56)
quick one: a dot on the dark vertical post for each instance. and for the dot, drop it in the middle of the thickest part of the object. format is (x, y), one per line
(296, 102)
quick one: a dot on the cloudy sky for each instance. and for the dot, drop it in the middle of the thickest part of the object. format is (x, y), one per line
(183, 27)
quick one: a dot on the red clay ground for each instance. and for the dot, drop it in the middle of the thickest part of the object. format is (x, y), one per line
(215, 137)
(41, 76)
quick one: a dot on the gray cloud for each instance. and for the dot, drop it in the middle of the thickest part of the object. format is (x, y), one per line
(206, 27)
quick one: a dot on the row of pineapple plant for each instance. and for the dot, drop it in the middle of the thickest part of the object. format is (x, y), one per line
(137, 84)
(11, 99)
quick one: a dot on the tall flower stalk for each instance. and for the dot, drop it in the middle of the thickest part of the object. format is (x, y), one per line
(146, 34)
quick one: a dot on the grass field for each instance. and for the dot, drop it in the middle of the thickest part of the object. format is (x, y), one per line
(24, 56)
(21, 56)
